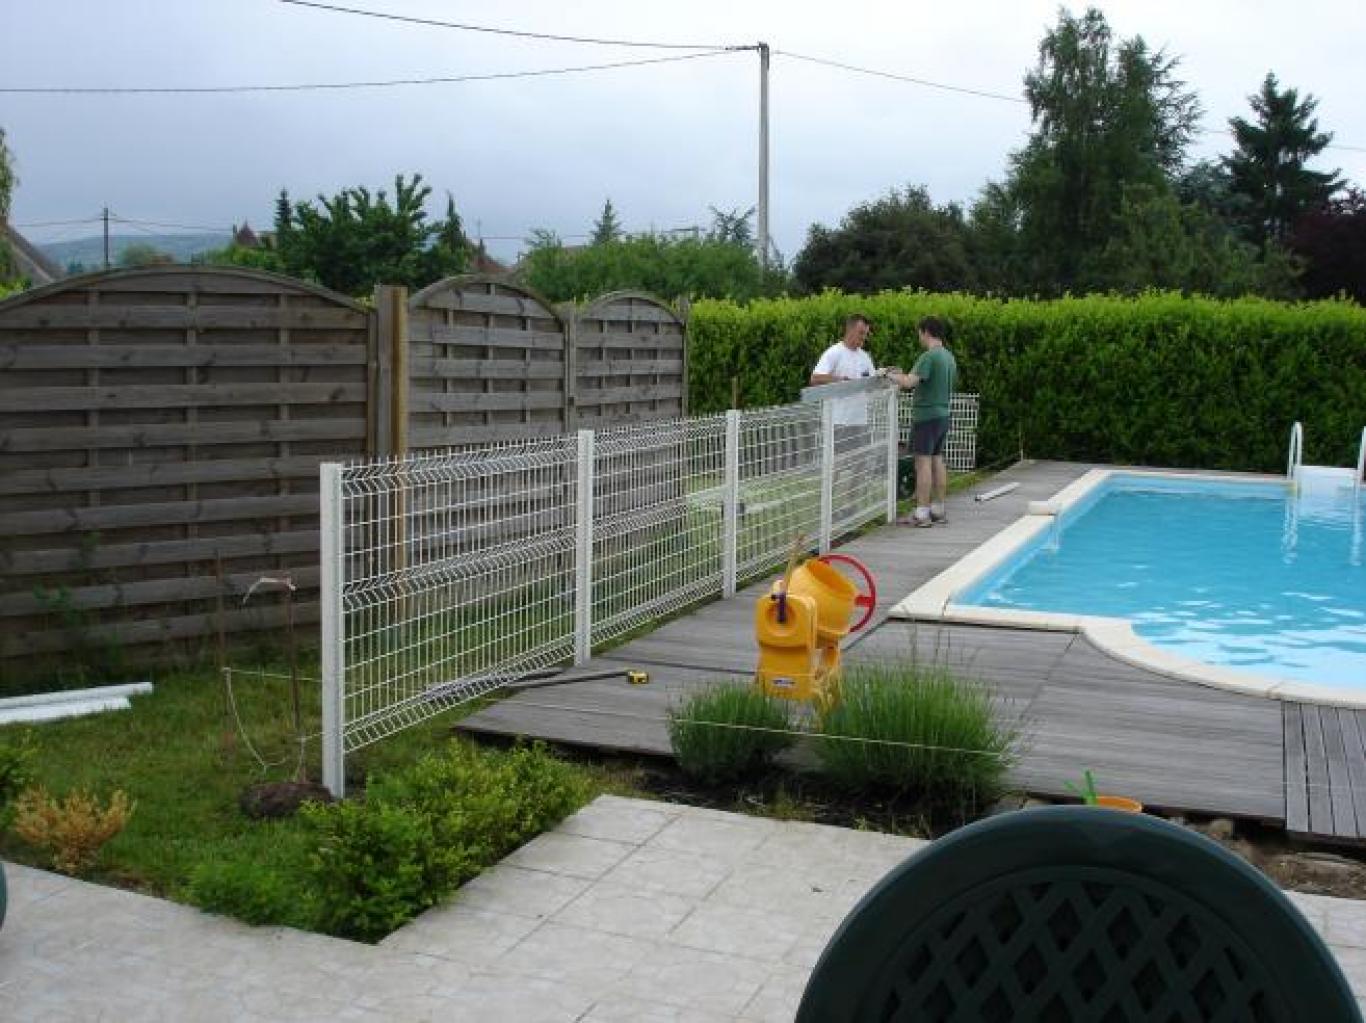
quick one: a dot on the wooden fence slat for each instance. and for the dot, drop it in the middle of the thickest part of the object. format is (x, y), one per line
(53, 399)
(41, 357)
(156, 474)
(635, 313)
(204, 433)
(153, 591)
(164, 630)
(198, 317)
(485, 337)
(482, 302)
(434, 401)
(671, 343)
(624, 395)
(486, 369)
(159, 513)
(161, 552)
(627, 367)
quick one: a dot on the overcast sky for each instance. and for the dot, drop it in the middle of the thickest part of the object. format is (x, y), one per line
(664, 142)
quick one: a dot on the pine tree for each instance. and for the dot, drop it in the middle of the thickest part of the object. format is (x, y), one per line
(608, 227)
(1267, 169)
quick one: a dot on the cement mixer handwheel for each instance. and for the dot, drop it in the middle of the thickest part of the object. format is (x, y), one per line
(867, 601)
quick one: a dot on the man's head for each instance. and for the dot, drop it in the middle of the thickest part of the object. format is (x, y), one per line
(933, 331)
(856, 327)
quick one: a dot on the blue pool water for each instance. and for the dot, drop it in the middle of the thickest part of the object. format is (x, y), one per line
(1245, 575)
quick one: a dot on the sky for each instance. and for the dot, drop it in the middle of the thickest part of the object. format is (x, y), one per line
(665, 141)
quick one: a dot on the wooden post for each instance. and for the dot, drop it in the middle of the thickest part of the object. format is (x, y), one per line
(398, 299)
(379, 411)
(735, 392)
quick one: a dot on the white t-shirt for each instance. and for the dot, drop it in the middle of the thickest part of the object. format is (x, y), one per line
(839, 360)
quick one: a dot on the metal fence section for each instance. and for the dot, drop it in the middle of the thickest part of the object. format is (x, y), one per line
(446, 576)
(960, 447)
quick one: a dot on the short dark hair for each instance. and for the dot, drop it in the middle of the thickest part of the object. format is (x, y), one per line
(854, 318)
(934, 326)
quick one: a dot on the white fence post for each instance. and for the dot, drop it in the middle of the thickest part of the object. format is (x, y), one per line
(827, 475)
(332, 577)
(583, 552)
(730, 504)
(893, 449)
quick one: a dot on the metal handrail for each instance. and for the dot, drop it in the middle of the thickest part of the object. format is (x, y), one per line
(1361, 462)
(1296, 455)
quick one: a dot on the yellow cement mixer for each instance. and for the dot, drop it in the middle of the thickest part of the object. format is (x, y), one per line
(800, 622)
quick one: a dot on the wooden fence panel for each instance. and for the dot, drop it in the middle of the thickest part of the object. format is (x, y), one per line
(487, 360)
(160, 436)
(629, 361)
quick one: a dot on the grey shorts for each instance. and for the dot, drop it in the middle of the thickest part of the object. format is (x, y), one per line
(928, 438)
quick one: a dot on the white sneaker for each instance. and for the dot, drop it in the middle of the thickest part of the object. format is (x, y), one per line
(938, 513)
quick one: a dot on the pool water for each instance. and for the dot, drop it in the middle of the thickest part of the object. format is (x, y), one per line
(1249, 576)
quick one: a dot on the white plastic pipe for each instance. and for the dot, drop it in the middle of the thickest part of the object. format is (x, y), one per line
(1296, 454)
(991, 495)
(65, 709)
(75, 695)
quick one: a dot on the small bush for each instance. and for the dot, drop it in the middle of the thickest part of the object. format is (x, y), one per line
(254, 893)
(73, 830)
(935, 735)
(424, 830)
(16, 771)
(709, 749)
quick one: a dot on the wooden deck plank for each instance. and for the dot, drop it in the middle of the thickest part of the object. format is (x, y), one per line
(1316, 756)
(1339, 782)
(1355, 752)
(1296, 772)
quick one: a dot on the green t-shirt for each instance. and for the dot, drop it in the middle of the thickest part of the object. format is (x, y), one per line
(937, 370)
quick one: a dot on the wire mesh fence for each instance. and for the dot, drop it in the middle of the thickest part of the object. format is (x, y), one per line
(446, 576)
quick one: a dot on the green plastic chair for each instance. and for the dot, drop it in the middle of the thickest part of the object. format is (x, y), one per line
(1075, 914)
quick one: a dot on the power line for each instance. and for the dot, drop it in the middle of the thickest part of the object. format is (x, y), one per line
(314, 86)
(590, 40)
(220, 229)
(58, 223)
(899, 78)
(985, 94)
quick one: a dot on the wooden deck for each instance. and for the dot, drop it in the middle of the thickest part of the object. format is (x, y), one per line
(1175, 745)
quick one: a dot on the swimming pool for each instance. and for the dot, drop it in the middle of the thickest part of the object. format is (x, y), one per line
(1241, 582)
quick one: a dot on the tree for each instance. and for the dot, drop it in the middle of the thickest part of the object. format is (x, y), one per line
(900, 240)
(731, 227)
(1163, 243)
(1332, 244)
(142, 254)
(608, 227)
(356, 239)
(7, 183)
(1105, 116)
(1267, 167)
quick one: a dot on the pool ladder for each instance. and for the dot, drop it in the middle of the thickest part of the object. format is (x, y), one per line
(1295, 457)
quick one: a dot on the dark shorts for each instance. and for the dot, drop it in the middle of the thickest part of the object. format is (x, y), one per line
(928, 438)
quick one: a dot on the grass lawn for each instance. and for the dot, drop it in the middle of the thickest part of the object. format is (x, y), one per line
(180, 758)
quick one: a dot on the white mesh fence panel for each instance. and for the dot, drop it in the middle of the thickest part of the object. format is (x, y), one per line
(960, 447)
(446, 576)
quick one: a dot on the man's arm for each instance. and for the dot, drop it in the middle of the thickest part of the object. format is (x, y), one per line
(825, 378)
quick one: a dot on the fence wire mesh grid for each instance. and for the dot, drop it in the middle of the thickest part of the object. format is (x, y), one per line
(452, 574)
(960, 447)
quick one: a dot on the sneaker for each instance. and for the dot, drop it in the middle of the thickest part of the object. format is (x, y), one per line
(921, 519)
(939, 514)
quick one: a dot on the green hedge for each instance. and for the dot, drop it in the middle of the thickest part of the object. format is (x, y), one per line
(1160, 379)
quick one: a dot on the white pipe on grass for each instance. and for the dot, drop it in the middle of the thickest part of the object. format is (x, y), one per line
(75, 695)
(991, 495)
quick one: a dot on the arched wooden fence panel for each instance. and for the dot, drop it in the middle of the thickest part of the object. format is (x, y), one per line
(629, 361)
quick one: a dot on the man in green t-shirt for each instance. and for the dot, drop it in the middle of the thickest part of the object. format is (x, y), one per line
(933, 377)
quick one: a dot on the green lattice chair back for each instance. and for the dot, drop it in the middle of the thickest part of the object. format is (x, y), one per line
(1072, 914)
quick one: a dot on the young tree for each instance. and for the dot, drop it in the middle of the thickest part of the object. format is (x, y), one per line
(356, 239)
(731, 227)
(7, 183)
(608, 227)
(899, 240)
(1105, 116)
(1267, 167)
(143, 254)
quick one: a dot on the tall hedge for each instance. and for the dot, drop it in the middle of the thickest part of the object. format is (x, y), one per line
(1159, 379)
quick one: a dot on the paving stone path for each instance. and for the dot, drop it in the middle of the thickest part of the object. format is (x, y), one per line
(628, 911)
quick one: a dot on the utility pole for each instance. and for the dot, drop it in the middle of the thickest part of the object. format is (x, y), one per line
(106, 237)
(761, 235)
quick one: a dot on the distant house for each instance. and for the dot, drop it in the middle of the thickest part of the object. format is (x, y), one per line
(28, 260)
(245, 238)
(482, 263)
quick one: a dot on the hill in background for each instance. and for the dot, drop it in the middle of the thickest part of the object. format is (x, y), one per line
(89, 252)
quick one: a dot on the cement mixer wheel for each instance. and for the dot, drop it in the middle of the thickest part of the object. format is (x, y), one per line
(868, 600)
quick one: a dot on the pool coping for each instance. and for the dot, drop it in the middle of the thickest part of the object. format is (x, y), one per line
(1114, 636)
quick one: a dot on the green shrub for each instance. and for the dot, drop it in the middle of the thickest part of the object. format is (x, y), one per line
(423, 830)
(935, 735)
(16, 771)
(255, 893)
(712, 752)
(1159, 379)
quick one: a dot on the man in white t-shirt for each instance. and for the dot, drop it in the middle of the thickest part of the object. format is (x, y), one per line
(846, 360)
